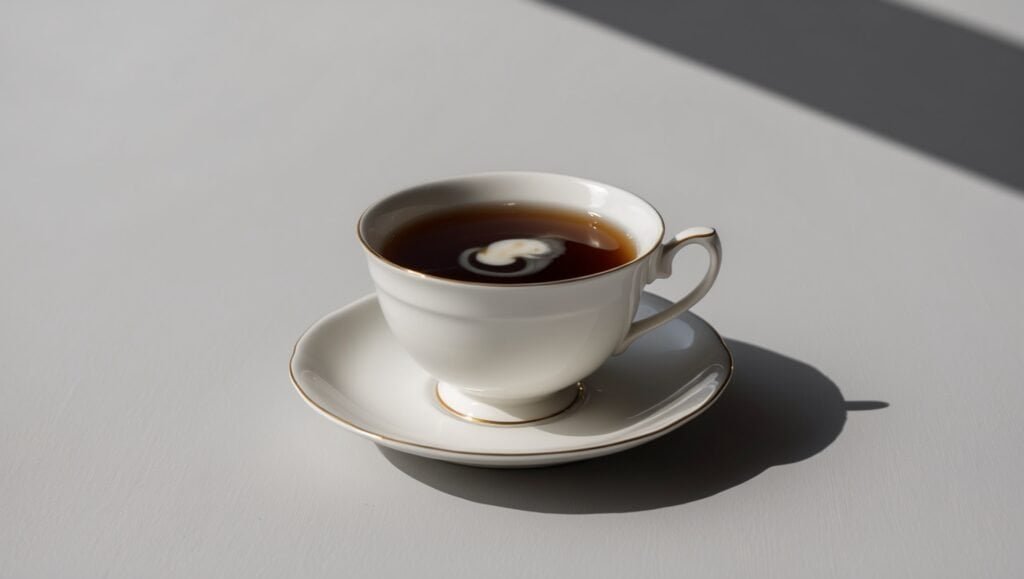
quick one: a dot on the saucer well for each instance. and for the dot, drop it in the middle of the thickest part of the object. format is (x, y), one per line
(349, 367)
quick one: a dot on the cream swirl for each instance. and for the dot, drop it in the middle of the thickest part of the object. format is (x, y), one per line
(535, 255)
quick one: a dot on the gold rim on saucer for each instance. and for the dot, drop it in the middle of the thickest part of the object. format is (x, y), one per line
(384, 438)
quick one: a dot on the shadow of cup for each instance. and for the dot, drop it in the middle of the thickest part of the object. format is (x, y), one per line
(775, 411)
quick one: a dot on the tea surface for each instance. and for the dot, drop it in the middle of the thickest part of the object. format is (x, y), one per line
(509, 243)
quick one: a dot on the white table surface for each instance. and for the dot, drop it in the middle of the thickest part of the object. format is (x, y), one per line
(178, 187)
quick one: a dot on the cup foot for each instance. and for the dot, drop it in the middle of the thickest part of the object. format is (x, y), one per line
(468, 408)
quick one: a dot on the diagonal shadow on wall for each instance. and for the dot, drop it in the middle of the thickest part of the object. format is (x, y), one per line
(930, 84)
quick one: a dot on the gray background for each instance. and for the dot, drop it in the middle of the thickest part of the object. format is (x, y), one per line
(178, 187)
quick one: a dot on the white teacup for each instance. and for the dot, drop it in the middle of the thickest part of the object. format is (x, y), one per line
(514, 353)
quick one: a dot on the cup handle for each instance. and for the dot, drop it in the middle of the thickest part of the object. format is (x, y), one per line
(661, 267)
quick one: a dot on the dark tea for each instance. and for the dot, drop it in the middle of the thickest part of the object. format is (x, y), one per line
(509, 243)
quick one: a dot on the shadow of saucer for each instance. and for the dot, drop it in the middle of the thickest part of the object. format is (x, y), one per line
(775, 411)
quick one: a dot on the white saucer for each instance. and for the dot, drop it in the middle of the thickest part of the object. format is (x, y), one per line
(349, 367)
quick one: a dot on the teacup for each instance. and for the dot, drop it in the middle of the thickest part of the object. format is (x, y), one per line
(510, 354)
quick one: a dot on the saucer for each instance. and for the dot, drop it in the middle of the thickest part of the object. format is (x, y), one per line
(349, 367)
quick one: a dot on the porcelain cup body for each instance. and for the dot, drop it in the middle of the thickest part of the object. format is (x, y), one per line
(507, 348)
